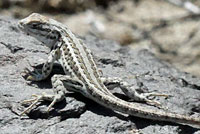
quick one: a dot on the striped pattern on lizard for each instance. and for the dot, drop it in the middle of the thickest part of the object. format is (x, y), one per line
(83, 76)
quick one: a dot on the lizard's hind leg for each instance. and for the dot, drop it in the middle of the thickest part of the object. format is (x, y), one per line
(131, 92)
(60, 89)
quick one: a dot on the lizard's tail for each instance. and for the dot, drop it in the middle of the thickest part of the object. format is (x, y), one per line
(132, 109)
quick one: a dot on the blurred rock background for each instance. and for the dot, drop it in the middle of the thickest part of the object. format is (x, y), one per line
(168, 28)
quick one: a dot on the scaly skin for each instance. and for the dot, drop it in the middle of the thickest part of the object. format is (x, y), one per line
(84, 77)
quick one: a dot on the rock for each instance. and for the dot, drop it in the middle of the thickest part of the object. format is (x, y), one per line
(78, 114)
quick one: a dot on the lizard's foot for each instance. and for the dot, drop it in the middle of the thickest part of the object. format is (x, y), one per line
(157, 104)
(153, 94)
(44, 96)
(131, 92)
(32, 76)
(148, 97)
(34, 102)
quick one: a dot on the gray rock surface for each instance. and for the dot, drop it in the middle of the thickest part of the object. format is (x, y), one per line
(77, 114)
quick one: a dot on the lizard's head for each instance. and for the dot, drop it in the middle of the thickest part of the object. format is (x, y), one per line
(40, 27)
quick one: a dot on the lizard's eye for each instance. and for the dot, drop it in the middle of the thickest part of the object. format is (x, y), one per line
(33, 25)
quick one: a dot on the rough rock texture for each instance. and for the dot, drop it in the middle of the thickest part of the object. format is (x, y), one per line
(78, 114)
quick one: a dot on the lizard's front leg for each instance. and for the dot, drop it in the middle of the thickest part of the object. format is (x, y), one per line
(46, 69)
(61, 85)
(130, 91)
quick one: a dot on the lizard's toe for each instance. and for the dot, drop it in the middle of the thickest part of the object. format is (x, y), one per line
(152, 95)
(34, 100)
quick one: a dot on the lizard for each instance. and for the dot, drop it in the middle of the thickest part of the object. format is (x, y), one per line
(82, 75)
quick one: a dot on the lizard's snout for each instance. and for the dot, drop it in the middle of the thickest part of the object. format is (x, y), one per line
(21, 22)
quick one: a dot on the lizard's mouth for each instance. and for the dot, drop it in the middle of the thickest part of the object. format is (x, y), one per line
(22, 28)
